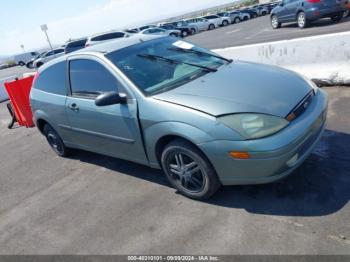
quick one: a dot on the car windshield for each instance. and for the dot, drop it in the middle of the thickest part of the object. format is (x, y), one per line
(162, 64)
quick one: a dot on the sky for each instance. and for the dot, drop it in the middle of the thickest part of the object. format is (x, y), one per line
(20, 20)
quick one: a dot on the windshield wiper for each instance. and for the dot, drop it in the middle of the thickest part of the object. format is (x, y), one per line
(173, 61)
(199, 53)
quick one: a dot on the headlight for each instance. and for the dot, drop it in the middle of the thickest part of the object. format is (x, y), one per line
(252, 126)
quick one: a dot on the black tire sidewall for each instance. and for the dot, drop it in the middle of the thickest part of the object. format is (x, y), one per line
(212, 181)
(46, 131)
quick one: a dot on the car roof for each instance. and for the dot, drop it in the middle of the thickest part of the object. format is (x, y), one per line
(106, 47)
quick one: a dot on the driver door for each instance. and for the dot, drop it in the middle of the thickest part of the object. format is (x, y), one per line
(111, 130)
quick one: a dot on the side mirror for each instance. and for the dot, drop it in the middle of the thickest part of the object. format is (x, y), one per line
(110, 98)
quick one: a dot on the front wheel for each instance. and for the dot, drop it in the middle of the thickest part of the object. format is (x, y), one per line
(211, 27)
(302, 21)
(21, 63)
(173, 35)
(275, 23)
(237, 20)
(337, 18)
(225, 23)
(189, 171)
(55, 141)
(184, 34)
(193, 31)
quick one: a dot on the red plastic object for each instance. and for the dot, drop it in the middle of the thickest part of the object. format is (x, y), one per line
(18, 92)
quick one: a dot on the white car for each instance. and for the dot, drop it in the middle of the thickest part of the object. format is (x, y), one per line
(22, 59)
(199, 24)
(160, 31)
(48, 56)
(101, 38)
(217, 21)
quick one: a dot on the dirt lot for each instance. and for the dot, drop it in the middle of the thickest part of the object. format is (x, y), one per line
(92, 204)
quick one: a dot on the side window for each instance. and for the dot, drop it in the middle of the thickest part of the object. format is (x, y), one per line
(89, 78)
(53, 79)
(49, 53)
(57, 51)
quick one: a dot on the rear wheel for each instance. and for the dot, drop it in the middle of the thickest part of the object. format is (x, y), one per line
(211, 26)
(173, 34)
(55, 141)
(184, 34)
(275, 23)
(301, 20)
(21, 63)
(237, 20)
(224, 23)
(337, 18)
(193, 31)
(189, 171)
(39, 64)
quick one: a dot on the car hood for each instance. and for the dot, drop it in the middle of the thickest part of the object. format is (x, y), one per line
(241, 87)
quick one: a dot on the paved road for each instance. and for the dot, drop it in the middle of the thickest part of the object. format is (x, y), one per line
(14, 71)
(259, 31)
(91, 204)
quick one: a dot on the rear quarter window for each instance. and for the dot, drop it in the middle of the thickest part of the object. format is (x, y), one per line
(53, 79)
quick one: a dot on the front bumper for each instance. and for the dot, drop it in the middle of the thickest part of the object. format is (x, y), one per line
(274, 157)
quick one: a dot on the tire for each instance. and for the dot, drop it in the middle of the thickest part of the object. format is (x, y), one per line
(55, 141)
(184, 33)
(337, 18)
(189, 171)
(237, 20)
(193, 31)
(29, 65)
(39, 64)
(302, 21)
(275, 23)
(224, 23)
(21, 63)
(211, 27)
(173, 35)
(264, 13)
(246, 18)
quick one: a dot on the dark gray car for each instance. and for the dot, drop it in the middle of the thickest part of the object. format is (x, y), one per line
(166, 103)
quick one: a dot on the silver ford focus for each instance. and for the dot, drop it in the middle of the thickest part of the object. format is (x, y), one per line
(205, 120)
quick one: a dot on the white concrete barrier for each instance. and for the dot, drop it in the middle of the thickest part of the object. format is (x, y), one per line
(325, 57)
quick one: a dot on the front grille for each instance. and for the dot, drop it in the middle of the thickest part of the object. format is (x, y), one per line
(301, 107)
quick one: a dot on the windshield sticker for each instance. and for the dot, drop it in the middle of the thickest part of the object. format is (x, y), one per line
(183, 45)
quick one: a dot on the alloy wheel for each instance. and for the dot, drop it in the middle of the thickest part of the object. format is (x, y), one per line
(301, 20)
(187, 173)
(55, 143)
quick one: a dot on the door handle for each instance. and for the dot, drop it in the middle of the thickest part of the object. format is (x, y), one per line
(73, 107)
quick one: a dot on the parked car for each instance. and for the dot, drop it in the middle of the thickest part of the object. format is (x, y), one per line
(138, 29)
(271, 6)
(261, 10)
(198, 24)
(75, 45)
(30, 63)
(161, 31)
(234, 17)
(184, 27)
(24, 58)
(242, 16)
(169, 104)
(4, 66)
(218, 20)
(100, 38)
(48, 56)
(305, 11)
(252, 12)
